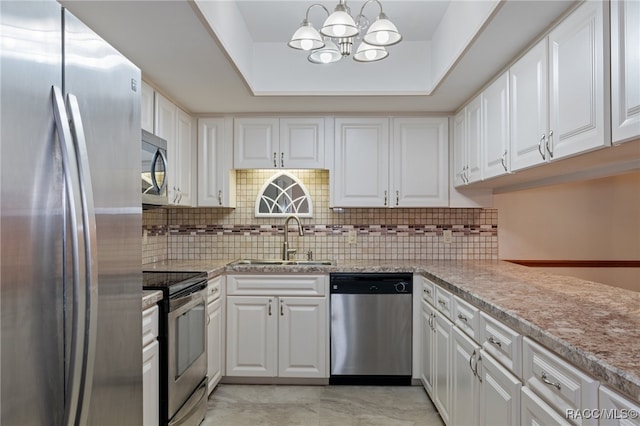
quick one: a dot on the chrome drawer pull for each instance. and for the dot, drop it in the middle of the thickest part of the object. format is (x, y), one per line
(442, 302)
(463, 318)
(427, 291)
(495, 342)
(543, 376)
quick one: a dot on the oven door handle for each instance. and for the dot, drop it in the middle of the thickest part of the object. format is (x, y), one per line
(182, 304)
(190, 410)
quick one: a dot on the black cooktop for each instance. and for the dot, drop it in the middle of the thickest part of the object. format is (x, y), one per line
(173, 283)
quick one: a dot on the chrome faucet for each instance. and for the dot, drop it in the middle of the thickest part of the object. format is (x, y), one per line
(286, 251)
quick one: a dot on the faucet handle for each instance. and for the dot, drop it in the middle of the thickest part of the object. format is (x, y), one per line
(291, 252)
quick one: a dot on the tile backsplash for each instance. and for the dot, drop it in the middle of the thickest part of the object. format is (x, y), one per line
(384, 234)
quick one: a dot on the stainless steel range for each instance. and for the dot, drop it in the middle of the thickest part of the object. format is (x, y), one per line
(183, 342)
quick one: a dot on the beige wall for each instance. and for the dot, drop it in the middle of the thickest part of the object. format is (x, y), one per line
(590, 220)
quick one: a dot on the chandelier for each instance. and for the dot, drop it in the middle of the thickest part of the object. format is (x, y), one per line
(335, 39)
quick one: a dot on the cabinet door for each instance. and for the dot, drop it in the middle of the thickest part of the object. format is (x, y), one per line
(151, 384)
(442, 366)
(183, 159)
(465, 386)
(460, 148)
(528, 92)
(146, 107)
(495, 128)
(256, 143)
(499, 394)
(625, 70)
(534, 411)
(216, 178)
(576, 79)
(251, 336)
(165, 127)
(361, 162)
(302, 337)
(427, 347)
(215, 343)
(474, 140)
(419, 162)
(621, 411)
(301, 143)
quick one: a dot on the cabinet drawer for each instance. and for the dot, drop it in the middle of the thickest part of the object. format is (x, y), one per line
(534, 411)
(428, 290)
(561, 385)
(612, 403)
(214, 288)
(443, 301)
(277, 285)
(466, 317)
(502, 342)
(149, 325)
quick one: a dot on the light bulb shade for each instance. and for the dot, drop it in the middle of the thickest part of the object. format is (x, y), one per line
(339, 25)
(328, 54)
(370, 53)
(306, 38)
(382, 32)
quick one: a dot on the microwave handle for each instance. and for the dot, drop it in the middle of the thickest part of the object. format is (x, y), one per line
(159, 155)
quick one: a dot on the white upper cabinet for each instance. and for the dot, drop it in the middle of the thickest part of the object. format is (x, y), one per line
(529, 108)
(419, 162)
(406, 166)
(474, 140)
(216, 178)
(578, 113)
(495, 128)
(271, 142)
(147, 95)
(459, 148)
(361, 164)
(625, 70)
(176, 127)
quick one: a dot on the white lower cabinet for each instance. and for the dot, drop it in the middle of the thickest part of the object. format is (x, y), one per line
(616, 410)
(464, 384)
(534, 411)
(215, 332)
(426, 347)
(499, 395)
(280, 334)
(150, 368)
(442, 366)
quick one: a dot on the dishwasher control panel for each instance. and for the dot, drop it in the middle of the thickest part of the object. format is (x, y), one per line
(371, 283)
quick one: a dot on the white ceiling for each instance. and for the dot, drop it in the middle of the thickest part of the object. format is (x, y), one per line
(182, 53)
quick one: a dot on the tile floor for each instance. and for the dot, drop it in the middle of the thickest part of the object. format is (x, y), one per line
(270, 405)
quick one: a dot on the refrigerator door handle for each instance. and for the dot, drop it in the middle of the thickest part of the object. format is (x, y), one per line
(73, 383)
(91, 254)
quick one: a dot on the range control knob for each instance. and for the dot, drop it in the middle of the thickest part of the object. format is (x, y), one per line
(401, 287)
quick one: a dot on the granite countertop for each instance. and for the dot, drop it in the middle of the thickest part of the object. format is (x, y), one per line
(150, 298)
(594, 326)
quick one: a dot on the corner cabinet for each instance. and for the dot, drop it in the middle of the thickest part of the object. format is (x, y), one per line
(273, 143)
(625, 70)
(277, 326)
(216, 178)
(397, 162)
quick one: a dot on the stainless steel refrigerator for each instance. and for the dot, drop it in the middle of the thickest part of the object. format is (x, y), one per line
(70, 225)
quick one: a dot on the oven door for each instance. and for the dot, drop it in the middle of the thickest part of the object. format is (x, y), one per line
(187, 342)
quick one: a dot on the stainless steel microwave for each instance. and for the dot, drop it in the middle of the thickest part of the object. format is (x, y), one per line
(154, 170)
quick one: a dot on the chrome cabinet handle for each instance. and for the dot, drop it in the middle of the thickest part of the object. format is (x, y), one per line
(269, 307)
(463, 318)
(385, 198)
(546, 381)
(220, 196)
(282, 159)
(540, 150)
(473, 369)
(442, 302)
(476, 367)
(397, 198)
(281, 309)
(495, 342)
(550, 144)
(503, 160)
(275, 162)
(465, 177)
(427, 291)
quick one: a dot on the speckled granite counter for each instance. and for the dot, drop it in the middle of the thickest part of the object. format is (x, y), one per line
(594, 326)
(150, 298)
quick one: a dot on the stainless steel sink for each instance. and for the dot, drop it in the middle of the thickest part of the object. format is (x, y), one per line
(278, 262)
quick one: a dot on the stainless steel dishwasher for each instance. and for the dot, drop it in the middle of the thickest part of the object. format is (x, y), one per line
(371, 328)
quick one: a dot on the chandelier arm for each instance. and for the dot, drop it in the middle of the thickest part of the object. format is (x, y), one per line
(309, 9)
(367, 2)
